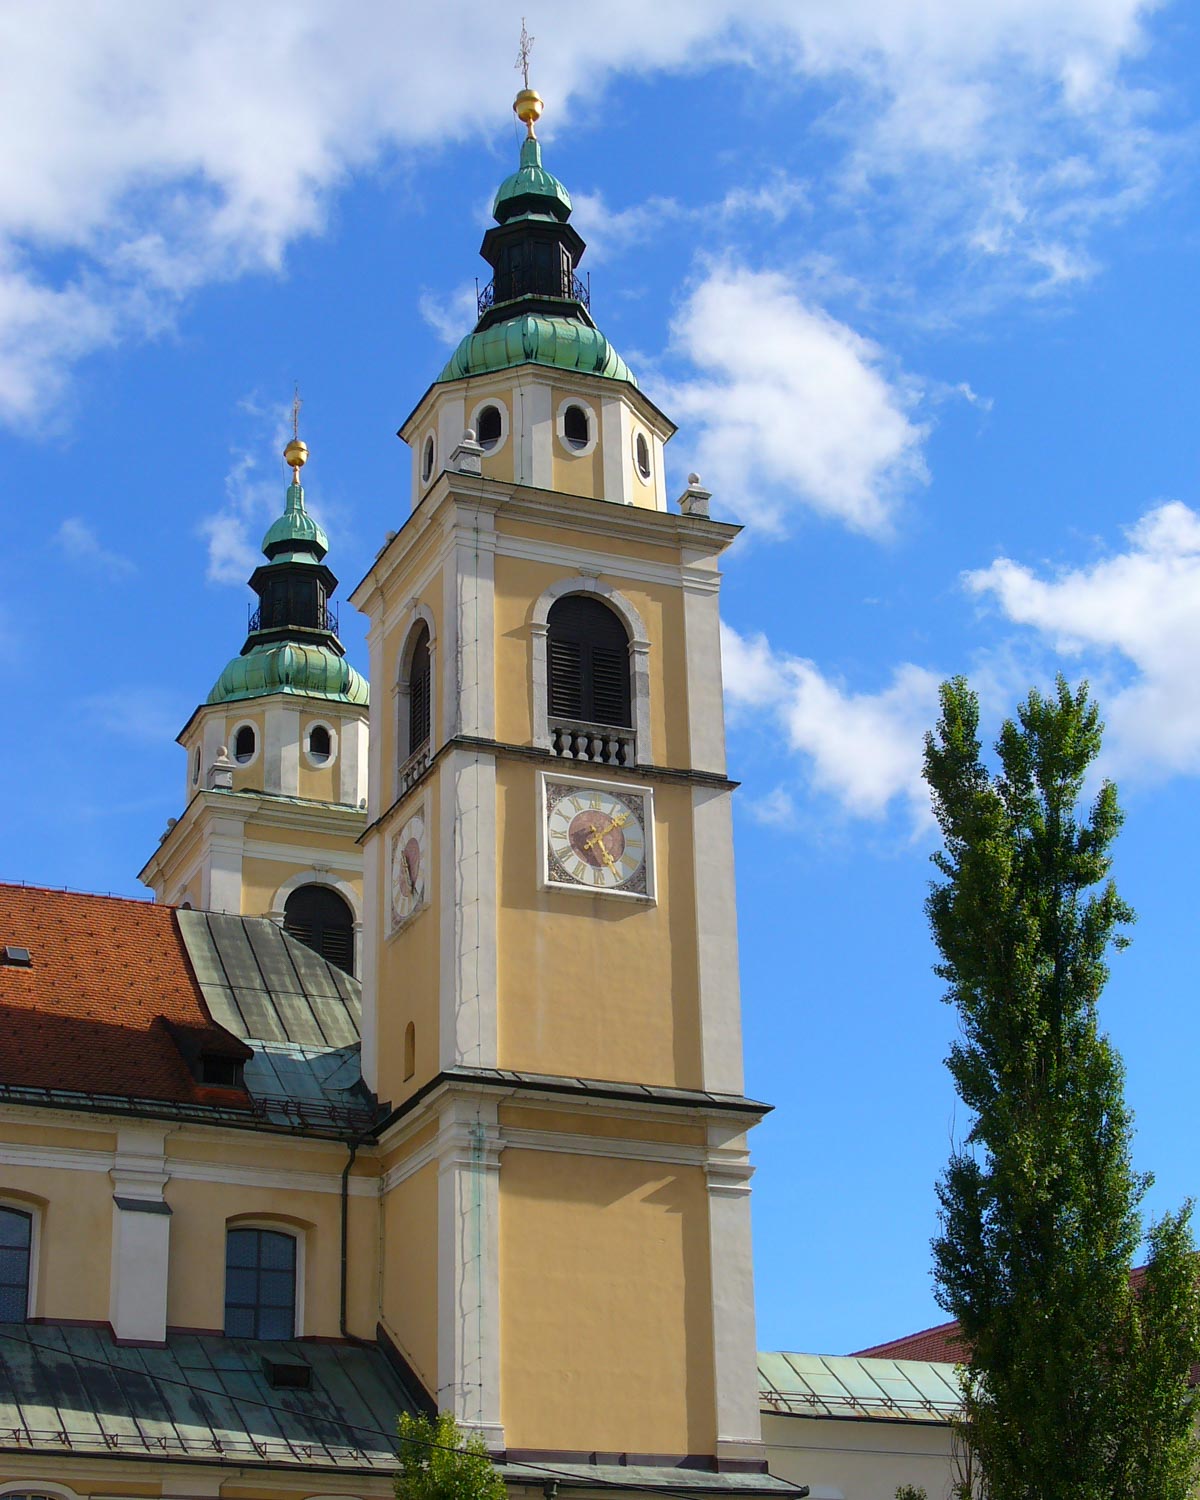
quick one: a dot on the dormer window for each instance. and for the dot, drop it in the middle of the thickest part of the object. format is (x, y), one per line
(220, 1072)
(588, 662)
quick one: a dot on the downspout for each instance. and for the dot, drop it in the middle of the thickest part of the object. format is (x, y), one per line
(353, 1152)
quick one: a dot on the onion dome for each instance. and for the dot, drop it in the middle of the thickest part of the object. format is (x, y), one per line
(292, 644)
(535, 310)
(310, 671)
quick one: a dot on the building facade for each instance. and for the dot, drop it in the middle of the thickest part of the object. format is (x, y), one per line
(258, 1194)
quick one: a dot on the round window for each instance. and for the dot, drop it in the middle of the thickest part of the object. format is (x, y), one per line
(427, 460)
(490, 429)
(320, 745)
(641, 449)
(575, 427)
(244, 744)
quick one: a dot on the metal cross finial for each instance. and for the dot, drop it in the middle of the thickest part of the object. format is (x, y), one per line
(296, 405)
(522, 61)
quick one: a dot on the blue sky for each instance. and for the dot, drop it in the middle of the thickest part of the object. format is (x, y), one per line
(916, 279)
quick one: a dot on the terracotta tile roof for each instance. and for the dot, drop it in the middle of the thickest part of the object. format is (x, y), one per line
(941, 1344)
(106, 1001)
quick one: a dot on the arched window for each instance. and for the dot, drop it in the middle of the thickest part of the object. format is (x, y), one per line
(243, 744)
(260, 1284)
(576, 431)
(320, 745)
(641, 449)
(16, 1238)
(410, 1050)
(491, 428)
(427, 460)
(321, 920)
(588, 662)
(419, 700)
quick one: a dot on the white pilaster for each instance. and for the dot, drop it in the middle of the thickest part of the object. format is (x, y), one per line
(618, 474)
(281, 750)
(717, 941)
(706, 704)
(467, 906)
(352, 762)
(222, 875)
(469, 1267)
(735, 1353)
(474, 567)
(141, 1235)
(381, 702)
(538, 421)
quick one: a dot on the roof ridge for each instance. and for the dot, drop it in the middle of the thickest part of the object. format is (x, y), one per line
(74, 890)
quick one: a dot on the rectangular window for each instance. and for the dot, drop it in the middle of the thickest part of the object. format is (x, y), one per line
(16, 1236)
(260, 1284)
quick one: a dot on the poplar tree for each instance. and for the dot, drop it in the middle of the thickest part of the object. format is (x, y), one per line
(1078, 1384)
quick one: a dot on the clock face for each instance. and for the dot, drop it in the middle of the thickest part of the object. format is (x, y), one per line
(409, 868)
(596, 838)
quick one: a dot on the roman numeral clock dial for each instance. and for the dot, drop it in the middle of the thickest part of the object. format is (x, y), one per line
(596, 838)
(409, 873)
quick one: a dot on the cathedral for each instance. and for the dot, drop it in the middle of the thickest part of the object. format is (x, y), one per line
(418, 1085)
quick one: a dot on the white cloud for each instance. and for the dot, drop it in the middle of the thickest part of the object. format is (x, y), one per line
(1135, 614)
(148, 149)
(450, 316)
(793, 409)
(863, 749)
(146, 715)
(81, 543)
(253, 497)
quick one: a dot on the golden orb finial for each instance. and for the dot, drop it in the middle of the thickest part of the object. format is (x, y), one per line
(527, 107)
(295, 455)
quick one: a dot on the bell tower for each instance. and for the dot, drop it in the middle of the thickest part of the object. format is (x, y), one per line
(551, 994)
(276, 758)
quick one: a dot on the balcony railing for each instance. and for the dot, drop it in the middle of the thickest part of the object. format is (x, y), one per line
(601, 744)
(413, 769)
(280, 617)
(532, 283)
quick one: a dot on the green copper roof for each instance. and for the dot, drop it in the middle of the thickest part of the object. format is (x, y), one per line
(295, 526)
(311, 671)
(538, 339)
(531, 189)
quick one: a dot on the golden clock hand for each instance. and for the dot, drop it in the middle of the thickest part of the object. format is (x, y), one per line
(597, 842)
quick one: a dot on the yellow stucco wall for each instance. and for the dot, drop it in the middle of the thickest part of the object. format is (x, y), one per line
(74, 1237)
(409, 960)
(590, 985)
(410, 1270)
(520, 583)
(526, 1117)
(606, 1320)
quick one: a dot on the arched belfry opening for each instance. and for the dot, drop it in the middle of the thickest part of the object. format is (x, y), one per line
(322, 920)
(420, 701)
(588, 662)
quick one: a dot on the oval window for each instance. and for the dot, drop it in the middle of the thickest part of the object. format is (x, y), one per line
(490, 429)
(320, 744)
(575, 427)
(196, 766)
(243, 744)
(642, 452)
(427, 460)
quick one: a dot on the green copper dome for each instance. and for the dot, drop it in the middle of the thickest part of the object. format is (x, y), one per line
(531, 189)
(295, 526)
(311, 671)
(540, 339)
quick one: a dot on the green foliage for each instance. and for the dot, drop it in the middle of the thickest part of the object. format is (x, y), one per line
(1077, 1387)
(911, 1492)
(438, 1463)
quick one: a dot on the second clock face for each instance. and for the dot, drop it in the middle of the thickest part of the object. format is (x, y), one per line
(409, 872)
(596, 838)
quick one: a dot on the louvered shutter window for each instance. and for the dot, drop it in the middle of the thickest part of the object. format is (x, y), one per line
(588, 663)
(418, 693)
(321, 920)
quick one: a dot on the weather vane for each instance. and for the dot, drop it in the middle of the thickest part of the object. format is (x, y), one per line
(522, 61)
(295, 455)
(296, 405)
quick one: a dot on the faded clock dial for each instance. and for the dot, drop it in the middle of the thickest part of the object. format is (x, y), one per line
(409, 868)
(596, 838)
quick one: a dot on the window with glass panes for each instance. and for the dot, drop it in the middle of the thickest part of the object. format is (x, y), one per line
(260, 1284)
(16, 1235)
